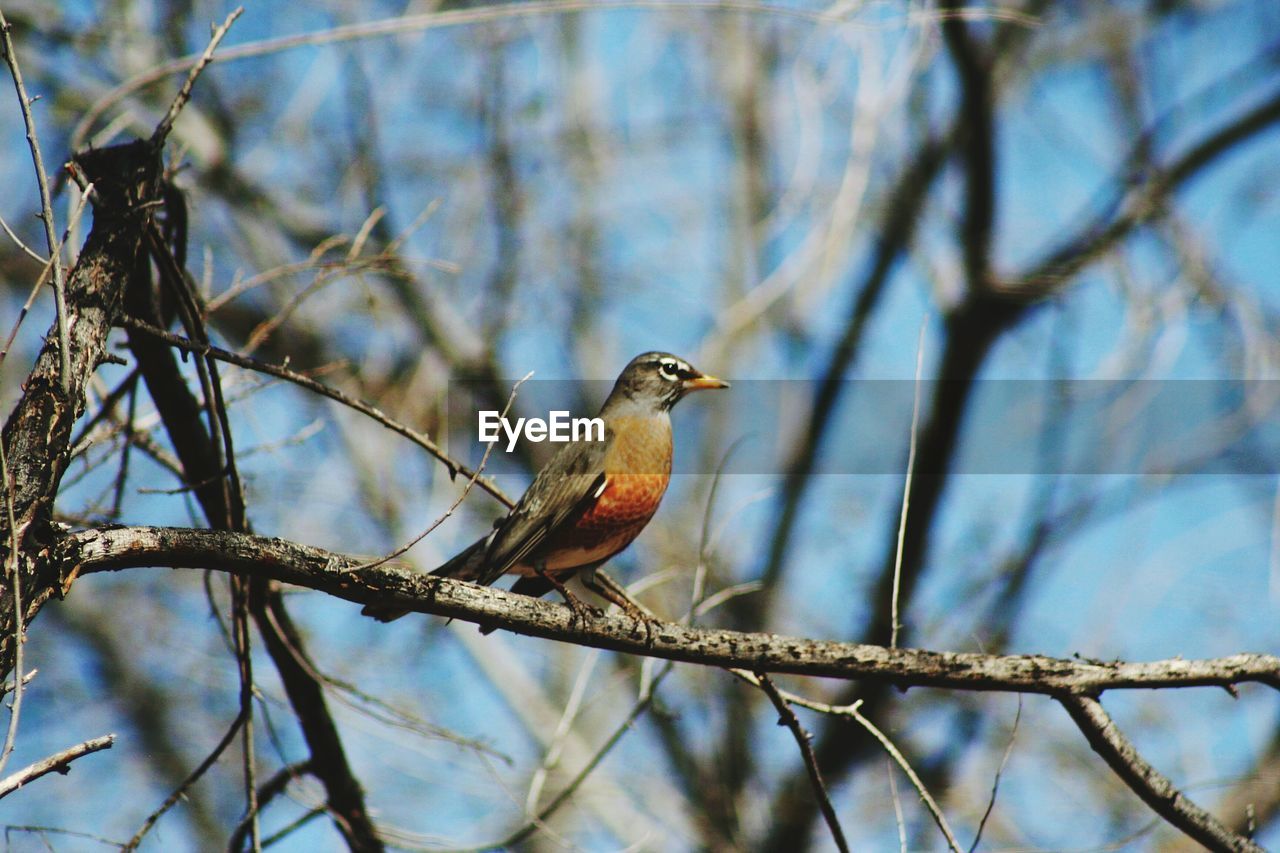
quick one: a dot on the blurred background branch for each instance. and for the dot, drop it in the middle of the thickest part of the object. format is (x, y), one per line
(413, 204)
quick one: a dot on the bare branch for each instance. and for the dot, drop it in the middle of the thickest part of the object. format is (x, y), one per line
(37, 433)
(270, 789)
(787, 717)
(184, 94)
(27, 250)
(457, 502)
(334, 394)
(44, 272)
(641, 706)
(9, 686)
(326, 571)
(208, 459)
(934, 811)
(995, 782)
(977, 138)
(179, 792)
(58, 762)
(46, 204)
(893, 754)
(427, 21)
(894, 620)
(1151, 785)
(1139, 204)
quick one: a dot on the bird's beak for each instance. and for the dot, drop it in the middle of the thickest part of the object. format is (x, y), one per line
(702, 382)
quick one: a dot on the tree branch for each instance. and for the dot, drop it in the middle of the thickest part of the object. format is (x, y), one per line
(37, 436)
(184, 94)
(787, 718)
(46, 203)
(1138, 205)
(59, 761)
(1150, 784)
(315, 568)
(249, 363)
(975, 120)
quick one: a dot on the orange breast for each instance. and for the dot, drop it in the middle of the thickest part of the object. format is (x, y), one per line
(638, 468)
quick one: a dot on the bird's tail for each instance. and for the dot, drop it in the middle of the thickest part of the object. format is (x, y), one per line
(465, 566)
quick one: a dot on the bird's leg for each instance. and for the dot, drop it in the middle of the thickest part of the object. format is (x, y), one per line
(610, 590)
(581, 610)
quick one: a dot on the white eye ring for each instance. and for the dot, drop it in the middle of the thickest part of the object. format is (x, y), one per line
(668, 369)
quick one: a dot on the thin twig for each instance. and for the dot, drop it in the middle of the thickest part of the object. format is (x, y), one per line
(270, 789)
(564, 728)
(14, 572)
(852, 712)
(220, 441)
(184, 94)
(179, 792)
(320, 388)
(471, 481)
(416, 23)
(7, 687)
(244, 661)
(462, 17)
(46, 206)
(122, 475)
(286, 830)
(995, 783)
(898, 817)
(901, 760)
(44, 273)
(55, 830)
(568, 791)
(906, 489)
(59, 762)
(27, 250)
(788, 718)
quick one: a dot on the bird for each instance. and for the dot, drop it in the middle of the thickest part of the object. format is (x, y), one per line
(591, 499)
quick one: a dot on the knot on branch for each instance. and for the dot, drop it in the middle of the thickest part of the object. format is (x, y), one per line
(126, 178)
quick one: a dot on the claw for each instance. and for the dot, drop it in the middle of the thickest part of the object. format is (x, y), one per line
(604, 586)
(582, 611)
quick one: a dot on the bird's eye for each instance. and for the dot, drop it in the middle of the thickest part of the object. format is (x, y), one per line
(669, 369)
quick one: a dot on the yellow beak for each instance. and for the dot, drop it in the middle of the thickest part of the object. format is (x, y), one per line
(704, 382)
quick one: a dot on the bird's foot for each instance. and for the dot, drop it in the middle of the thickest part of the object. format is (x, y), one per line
(582, 612)
(646, 619)
(609, 589)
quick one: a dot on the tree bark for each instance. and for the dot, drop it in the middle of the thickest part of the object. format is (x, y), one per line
(261, 557)
(37, 435)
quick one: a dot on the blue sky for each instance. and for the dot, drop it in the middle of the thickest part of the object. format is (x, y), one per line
(652, 215)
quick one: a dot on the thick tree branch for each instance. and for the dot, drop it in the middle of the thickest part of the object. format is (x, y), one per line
(1153, 787)
(37, 436)
(977, 138)
(315, 568)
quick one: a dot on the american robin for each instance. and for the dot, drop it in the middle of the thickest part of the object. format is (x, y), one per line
(592, 498)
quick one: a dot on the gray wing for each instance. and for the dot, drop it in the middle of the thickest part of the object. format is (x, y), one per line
(563, 489)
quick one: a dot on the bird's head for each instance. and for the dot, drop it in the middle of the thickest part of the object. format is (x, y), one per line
(661, 379)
